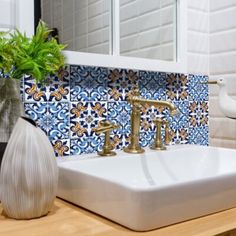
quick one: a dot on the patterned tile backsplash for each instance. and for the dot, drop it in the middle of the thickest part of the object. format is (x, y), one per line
(68, 108)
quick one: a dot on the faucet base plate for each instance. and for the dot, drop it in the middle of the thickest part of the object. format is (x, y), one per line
(134, 150)
(106, 154)
(157, 148)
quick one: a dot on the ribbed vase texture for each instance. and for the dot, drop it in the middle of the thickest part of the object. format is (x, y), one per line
(29, 173)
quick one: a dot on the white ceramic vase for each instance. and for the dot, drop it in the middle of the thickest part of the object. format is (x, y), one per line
(29, 172)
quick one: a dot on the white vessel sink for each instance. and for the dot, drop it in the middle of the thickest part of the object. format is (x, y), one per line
(154, 189)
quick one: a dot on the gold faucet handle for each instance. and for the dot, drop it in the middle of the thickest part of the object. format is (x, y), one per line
(105, 126)
(167, 132)
(158, 144)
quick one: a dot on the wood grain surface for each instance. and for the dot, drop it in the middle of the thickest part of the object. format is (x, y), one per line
(67, 219)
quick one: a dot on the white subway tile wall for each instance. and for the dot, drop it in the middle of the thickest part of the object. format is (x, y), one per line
(148, 29)
(198, 36)
(83, 24)
(222, 41)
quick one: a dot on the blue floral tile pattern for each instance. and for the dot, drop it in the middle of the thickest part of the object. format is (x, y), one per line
(152, 85)
(70, 105)
(88, 83)
(85, 116)
(177, 87)
(56, 88)
(119, 113)
(52, 118)
(86, 145)
(181, 119)
(198, 91)
(198, 114)
(38, 113)
(121, 83)
(58, 120)
(199, 135)
(61, 147)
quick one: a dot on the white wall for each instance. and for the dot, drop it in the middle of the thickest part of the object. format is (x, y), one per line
(7, 14)
(17, 14)
(147, 29)
(83, 24)
(222, 64)
(198, 36)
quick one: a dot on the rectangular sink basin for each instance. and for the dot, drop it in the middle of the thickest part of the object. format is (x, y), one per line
(153, 189)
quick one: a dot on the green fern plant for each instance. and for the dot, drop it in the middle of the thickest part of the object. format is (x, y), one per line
(38, 56)
(7, 53)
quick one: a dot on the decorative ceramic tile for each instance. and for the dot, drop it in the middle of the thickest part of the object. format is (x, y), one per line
(148, 114)
(152, 85)
(197, 91)
(88, 144)
(198, 114)
(199, 135)
(179, 136)
(58, 120)
(177, 87)
(56, 88)
(53, 118)
(85, 116)
(117, 141)
(121, 83)
(146, 138)
(88, 83)
(119, 113)
(181, 119)
(71, 105)
(61, 147)
(38, 112)
(33, 92)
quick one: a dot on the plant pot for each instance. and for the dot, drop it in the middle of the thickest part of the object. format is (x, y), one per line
(29, 172)
(11, 107)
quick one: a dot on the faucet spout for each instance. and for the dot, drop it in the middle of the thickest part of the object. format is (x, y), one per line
(137, 102)
(156, 103)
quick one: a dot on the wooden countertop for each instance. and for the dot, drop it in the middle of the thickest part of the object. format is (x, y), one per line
(67, 219)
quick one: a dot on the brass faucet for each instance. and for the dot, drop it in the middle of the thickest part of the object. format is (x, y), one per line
(137, 102)
(158, 144)
(106, 126)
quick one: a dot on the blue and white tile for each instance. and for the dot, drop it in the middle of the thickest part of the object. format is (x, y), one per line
(197, 90)
(88, 83)
(86, 145)
(34, 92)
(119, 113)
(180, 136)
(177, 87)
(56, 88)
(146, 138)
(181, 119)
(38, 113)
(198, 113)
(84, 116)
(58, 120)
(121, 82)
(199, 135)
(152, 85)
(61, 147)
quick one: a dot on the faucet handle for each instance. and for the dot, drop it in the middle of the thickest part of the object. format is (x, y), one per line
(106, 126)
(167, 132)
(158, 144)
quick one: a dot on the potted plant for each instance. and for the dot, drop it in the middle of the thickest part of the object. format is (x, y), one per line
(19, 56)
(28, 177)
